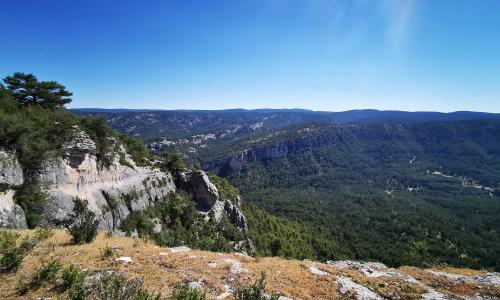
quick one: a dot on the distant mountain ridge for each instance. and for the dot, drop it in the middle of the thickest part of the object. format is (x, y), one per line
(340, 116)
(151, 125)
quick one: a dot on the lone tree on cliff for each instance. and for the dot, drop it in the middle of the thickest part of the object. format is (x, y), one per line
(27, 90)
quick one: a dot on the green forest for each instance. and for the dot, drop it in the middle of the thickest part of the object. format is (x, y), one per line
(370, 192)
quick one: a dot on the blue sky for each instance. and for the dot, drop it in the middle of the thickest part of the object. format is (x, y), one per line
(439, 55)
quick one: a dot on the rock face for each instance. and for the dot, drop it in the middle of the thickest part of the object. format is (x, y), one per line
(267, 152)
(11, 214)
(207, 199)
(235, 215)
(112, 191)
(204, 192)
(11, 175)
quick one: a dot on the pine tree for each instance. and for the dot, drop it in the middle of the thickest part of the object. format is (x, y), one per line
(27, 90)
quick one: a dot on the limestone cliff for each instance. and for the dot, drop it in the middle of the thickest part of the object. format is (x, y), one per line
(11, 176)
(112, 191)
(77, 174)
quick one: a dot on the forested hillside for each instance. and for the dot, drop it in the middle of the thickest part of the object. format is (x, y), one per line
(402, 188)
(414, 193)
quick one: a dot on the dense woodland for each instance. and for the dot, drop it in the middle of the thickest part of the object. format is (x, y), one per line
(371, 190)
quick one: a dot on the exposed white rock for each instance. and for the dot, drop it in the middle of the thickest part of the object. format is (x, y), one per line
(124, 259)
(362, 292)
(11, 175)
(78, 174)
(179, 249)
(235, 266)
(344, 264)
(370, 269)
(195, 285)
(488, 278)
(432, 294)
(317, 271)
(227, 293)
(11, 214)
(157, 227)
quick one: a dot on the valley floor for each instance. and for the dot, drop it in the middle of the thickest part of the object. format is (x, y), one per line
(218, 274)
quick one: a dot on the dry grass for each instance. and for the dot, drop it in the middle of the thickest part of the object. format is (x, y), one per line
(451, 287)
(164, 273)
(290, 278)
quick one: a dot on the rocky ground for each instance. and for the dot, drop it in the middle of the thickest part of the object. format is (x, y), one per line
(218, 274)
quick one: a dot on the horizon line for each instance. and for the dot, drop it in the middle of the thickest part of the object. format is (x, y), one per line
(280, 109)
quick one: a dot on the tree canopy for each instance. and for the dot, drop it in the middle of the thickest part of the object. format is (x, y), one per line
(27, 90)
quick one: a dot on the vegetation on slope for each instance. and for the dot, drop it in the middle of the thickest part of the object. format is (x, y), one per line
(417, 194)
(57, 269)
(181, 224)
(34, 124)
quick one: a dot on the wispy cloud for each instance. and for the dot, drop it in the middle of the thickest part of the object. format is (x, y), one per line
(401, 14)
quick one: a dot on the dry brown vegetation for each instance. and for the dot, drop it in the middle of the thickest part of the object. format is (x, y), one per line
(163, 270)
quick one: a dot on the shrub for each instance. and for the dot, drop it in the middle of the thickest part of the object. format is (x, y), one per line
(173, 163)
(73, 282)
(32, 199)
(137, 150)
(82, 223)
(225, 189)
(107, 252)
(143, 294)
(186, 293)
(43, 233)
(114, 286)
(46, 273)
(12, 254)
(7, 240)
(255, 292)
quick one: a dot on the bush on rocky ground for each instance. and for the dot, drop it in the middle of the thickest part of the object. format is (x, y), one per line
(12, 253)
(255, 291)
(46, 273)
(186, 293)
(82, 223)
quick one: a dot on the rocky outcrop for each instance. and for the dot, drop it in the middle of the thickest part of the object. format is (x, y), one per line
(112, 191)
(235, 215)
(11, 173)
(11, 176)
(204, 192)
(207, 199)
(273, 151)
(11, 214)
